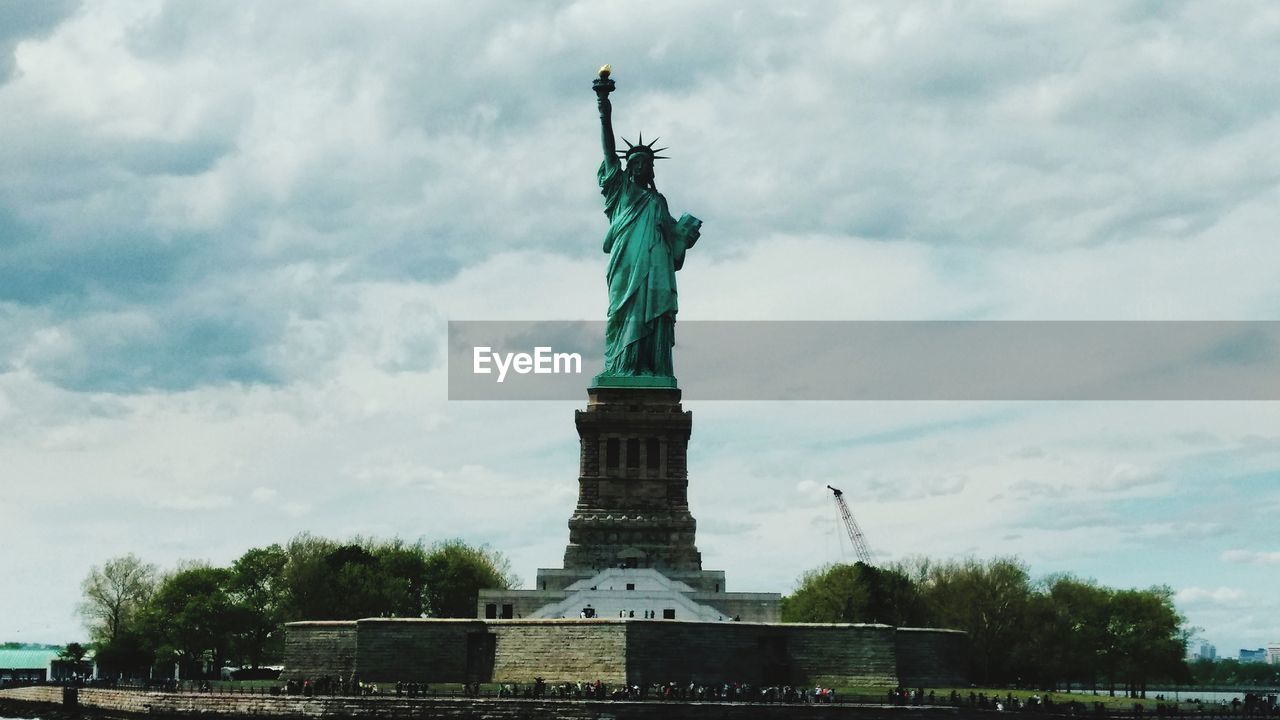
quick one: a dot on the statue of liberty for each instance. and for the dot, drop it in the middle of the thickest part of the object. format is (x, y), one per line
(646, 246)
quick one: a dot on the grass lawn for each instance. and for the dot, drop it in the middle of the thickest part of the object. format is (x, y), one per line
(1117, 702)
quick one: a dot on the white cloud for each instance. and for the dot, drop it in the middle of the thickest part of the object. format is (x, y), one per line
(1252, 557)
(1218, 596)
(1126, 477)
(262, 495)
(166, 501)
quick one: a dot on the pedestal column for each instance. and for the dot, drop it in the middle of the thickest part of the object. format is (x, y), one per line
(633, 508)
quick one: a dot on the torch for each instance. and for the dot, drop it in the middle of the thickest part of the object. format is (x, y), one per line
(603, 84)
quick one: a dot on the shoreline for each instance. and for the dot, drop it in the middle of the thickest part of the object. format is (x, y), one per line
(45, 701)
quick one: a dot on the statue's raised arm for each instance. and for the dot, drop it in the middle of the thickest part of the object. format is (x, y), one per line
(603, 86)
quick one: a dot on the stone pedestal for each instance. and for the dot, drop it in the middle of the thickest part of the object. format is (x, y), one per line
(632, 544)
(633, 508)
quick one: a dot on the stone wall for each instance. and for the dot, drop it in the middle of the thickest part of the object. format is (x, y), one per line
(930, 657)
(614, 651)
(561, 650)
(842, 655)
(690, 651)
(805, 654)
(436, 651)
(417, 650)
(320, 649)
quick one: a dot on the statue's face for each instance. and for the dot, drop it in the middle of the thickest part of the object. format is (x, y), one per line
(640, 167)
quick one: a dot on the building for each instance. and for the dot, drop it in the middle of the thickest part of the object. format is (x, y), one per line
(38, 664)
(1253, 656)
(1207, 652)
(629, 593)
(1273, 653)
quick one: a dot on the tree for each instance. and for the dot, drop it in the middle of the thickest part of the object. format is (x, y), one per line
(361, 579)
(257, 585)
(73, 652)
(854, 593)
(131, 654)
(238, 613)
(1078, 634)
(455, 574)
(1146, 638)
(989, 601)
(192, 616)
(308, 591)
(407, 568)
(113, 595)
(71, 661)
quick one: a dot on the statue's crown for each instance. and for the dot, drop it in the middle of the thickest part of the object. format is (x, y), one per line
(641, 147)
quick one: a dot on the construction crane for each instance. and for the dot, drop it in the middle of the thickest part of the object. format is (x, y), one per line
(855, 532)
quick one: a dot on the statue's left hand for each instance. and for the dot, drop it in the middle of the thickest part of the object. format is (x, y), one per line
(691, 228)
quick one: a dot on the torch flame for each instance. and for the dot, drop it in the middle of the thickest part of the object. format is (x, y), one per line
(605, 70)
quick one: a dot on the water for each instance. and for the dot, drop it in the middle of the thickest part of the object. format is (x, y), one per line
(1185, 694)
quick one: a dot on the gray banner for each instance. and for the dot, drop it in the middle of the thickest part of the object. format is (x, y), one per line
(789, 360)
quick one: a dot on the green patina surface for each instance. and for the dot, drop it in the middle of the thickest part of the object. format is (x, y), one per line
(646, 246)
(26, 658)
(635, 381)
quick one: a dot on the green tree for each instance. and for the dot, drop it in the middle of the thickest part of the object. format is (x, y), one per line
(73, 652)
(114, 594)
(357, 580)
(989, 601)
(405, 567)
(257, 586)
(855, 593)
(1036, 658)
(308, 590)
(1146, 639)
(455, 574)
(1077, 634)
(203, 613)
(131, 654)
(1230, 671)
(192, 617)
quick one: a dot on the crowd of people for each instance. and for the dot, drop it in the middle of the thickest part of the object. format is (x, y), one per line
(1252, 705)
(343, 685)
(696, 692)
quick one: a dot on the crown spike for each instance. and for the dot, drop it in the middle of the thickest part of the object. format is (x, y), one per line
(628, 142)
(640, 139)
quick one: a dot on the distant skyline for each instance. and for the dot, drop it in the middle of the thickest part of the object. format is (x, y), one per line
(232, 234)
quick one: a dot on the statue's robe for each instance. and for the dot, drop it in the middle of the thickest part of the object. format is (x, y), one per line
(645, 248)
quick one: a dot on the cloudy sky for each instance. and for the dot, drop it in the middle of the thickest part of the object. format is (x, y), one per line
(232, 234)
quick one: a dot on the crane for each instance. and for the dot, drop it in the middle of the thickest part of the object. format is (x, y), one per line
(855, 532)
